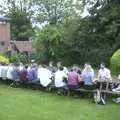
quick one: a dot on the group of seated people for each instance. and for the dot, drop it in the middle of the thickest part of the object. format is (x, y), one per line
(61, 77)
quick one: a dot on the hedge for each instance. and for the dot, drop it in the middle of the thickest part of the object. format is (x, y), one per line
(115, 62)
(4, 59)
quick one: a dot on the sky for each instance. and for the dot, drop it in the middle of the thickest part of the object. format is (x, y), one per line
(85, 12)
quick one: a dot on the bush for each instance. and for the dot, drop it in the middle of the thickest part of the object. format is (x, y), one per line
(4, 59)
(17, 58)
(115, 62)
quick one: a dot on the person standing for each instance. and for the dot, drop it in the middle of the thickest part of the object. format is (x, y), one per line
(104, 74)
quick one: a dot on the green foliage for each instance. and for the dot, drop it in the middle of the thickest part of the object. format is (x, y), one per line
(19, 57)
(67, 37)
(20, 25)
(46, 42)
(115, 62)
(4, 59)
(56, 11)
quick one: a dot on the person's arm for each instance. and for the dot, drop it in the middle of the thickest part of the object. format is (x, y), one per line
(108, 75)
(119, 77)
(99, 75)
(79, 77)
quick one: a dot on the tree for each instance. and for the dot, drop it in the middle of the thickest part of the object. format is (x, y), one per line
(91, 39)
(46, 42)
(56, 11)
(20, 12)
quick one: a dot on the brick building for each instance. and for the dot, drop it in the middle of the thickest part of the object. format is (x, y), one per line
(9, 46)
(4, 34)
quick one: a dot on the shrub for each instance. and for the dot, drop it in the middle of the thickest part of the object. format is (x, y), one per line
(4, 59)
(115, 62)
(17, 58)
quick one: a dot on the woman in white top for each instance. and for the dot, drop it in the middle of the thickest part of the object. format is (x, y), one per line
(9, 72)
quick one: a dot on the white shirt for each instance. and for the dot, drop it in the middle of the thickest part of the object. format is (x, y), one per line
(4, 71)
(1, 70)
(21, 67)
(119, 77)
(104, 75)
(65, 70)
(9, 72)
(44, 75)
(59, 75)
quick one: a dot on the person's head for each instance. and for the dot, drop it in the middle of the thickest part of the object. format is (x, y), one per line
(51, 63)
(40, 66)
(10, 64)
(79, 71)
(59, 64)
(75, 67)
(16, 64)
(87, 63)
(34, 65)
(61, 68)
(26, 66)
(44, 66)
(88, 68)
(71, 70)
(21, 64)
(102, 65)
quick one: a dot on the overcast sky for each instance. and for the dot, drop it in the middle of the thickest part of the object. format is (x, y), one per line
(85, 13)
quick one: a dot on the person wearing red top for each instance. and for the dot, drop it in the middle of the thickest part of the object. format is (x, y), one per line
(73, 82)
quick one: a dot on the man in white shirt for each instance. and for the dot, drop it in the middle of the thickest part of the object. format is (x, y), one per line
(60, 77)
(44, 75)
(104, 74)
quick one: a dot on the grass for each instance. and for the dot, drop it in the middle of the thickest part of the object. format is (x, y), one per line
(24, 104)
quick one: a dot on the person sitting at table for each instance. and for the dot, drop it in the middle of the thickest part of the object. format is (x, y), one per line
(92, 70)
(51, 67)
(88, 77)
(60, 81)
(9, 72)
(117, 100)
(104, 74)
(73, 82)
(23, 74)
(4, 71)
(15, 75)
(44, 75)
(117, 89)
(32, 75)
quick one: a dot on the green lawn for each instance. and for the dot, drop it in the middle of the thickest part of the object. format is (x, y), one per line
(24, 104)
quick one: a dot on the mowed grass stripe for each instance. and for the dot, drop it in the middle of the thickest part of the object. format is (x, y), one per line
(24, 104)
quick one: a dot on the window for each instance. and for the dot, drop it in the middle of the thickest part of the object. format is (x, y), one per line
(2, 43)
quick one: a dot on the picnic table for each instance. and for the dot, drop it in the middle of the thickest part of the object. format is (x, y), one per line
(105, 89)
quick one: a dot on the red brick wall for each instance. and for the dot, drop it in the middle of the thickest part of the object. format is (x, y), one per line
(4, 36)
